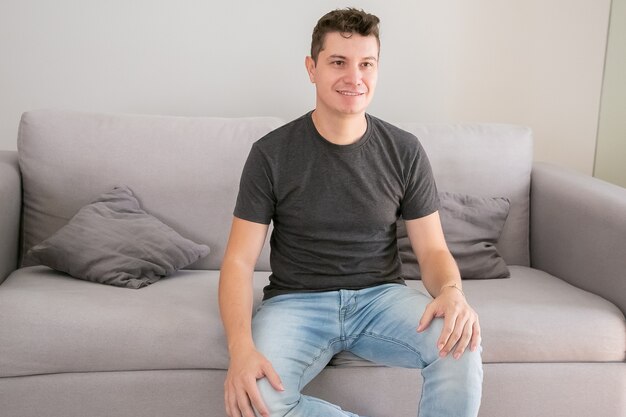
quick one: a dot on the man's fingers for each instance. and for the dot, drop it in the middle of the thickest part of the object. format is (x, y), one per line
(240, 401)
(464, 340)
(257, 402)
(253, 391)
(427, 317)
(230, 398)
(227, 400)
(476, 336)
(449, 335)
(273, 377)
(244, 407)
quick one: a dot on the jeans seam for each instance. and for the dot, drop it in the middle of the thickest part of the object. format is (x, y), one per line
(394, 341)
(315, 359)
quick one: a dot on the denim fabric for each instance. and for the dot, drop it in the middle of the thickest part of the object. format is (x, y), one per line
(299, 334)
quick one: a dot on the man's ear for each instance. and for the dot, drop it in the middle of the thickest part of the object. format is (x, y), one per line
(310, 68)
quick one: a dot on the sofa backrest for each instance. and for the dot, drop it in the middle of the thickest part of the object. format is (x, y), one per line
(488, 160)
(185, 170)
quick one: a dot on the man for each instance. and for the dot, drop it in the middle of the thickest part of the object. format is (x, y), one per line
(334, 182)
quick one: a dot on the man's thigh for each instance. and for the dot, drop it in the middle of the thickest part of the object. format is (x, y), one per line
(298, 334)
(384, 330)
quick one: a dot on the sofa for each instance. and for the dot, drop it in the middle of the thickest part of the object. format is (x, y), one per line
(554, 333)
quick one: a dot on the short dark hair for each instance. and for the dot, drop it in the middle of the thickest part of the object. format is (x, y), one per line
(347, 22)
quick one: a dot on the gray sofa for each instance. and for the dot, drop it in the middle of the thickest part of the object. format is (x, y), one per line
(554, 334)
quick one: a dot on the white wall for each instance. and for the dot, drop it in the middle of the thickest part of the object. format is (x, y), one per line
(532, 62)
(611, 150)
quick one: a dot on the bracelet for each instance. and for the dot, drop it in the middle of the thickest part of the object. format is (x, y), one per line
(453, 286)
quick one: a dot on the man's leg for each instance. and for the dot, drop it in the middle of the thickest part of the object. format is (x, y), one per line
(383, 330)
(298, 334)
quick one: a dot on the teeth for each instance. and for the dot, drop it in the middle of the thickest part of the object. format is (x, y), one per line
(349, 93)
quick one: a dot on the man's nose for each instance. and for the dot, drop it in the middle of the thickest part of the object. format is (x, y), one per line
(354, 76)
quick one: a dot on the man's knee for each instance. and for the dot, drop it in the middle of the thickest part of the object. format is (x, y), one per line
(472, 365)
(462, 374)
(278, 403)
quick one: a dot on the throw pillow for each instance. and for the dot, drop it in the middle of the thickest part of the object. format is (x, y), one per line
(113, 241)
(472, 226)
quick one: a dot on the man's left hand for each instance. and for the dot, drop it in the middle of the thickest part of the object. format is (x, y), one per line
(461, 327)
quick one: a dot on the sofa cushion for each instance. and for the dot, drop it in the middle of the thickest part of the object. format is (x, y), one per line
(113, 241)
(485, 160)
(53, 323)
(472, 226)
(186, 170)
(536, 317)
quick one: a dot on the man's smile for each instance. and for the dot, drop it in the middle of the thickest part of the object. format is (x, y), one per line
(349, 93)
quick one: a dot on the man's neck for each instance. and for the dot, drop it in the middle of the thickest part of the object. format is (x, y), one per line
(342, 130)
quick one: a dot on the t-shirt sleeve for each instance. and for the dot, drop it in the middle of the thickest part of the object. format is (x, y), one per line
(255, 200)
(420, 196)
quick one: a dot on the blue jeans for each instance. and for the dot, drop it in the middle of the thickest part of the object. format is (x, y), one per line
(300, 333)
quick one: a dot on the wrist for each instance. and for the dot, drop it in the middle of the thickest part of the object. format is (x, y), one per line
(455, 287)
(240, 347)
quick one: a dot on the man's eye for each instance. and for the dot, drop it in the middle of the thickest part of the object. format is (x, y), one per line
(337, 63)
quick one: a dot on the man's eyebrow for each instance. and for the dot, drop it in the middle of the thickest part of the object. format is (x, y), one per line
(367, 58)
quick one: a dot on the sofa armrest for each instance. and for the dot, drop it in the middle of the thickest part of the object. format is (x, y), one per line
(578, 231)
(10, 212)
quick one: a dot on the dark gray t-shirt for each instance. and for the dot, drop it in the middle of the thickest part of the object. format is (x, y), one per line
(334, 207)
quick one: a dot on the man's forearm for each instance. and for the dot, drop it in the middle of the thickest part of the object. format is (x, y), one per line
(439, 270)
(235, 300)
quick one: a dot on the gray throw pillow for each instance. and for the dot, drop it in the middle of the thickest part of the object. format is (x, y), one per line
(472, 226)
(113, 241)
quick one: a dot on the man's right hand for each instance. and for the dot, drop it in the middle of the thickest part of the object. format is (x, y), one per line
(241, 393)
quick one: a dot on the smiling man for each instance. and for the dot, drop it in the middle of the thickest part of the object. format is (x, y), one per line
(334, 182)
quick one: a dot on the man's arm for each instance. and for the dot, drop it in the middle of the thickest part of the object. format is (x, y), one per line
(235, 299)
(442, 279)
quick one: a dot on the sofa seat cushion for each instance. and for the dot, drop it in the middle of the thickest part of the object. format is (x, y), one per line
(53, 323)
(536, 317)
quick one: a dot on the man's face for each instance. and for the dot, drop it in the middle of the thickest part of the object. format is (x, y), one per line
(345, 74)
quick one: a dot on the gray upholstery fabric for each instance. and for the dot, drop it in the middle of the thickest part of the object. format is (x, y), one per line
(485, 160)
(173, 323)
(167, 393)
(68, 158)
(38, 304)
(510, 389)
(10, 210)
(114, 241)
(472, 226)
(580, 239)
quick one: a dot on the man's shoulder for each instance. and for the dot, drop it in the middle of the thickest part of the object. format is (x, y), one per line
(287, 132)
(394, 134)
